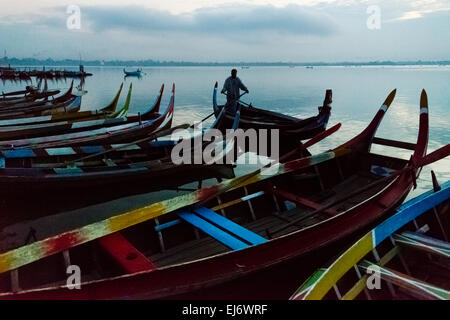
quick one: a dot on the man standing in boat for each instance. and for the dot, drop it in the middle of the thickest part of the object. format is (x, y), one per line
(231, 87)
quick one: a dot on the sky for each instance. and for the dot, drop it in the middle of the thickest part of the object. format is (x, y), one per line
(227, 30)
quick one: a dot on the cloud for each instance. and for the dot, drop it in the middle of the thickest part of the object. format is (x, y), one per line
(418, 9)
(291, 19)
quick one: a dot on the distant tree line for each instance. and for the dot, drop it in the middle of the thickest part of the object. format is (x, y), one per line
(150, 63)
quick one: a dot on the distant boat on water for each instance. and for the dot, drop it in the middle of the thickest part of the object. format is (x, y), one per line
(136, 73)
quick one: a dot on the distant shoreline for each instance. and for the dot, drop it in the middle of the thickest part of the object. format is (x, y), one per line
(29, 62)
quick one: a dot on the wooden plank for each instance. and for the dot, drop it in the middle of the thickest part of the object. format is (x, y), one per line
(394, 143)
(360, 285)
(218, 234)
(125, 254)
(303, 201)
(413, 286)
(236, 201)
(230, 226)
(426, 239)
(423, 243)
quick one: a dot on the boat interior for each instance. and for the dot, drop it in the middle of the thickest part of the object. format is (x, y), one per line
(413, 263)
(243, 217)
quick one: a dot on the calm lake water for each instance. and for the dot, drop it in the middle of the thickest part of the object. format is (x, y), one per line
(357, 95)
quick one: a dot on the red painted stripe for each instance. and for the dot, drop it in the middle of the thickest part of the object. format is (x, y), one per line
(125, 254)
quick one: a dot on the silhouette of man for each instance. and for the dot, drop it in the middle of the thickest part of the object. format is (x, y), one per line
(232, 87)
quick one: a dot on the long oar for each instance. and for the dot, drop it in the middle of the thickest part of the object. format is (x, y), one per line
(237, 99)
(155, 135)
(204, 119)
(35, 251)
(432, 157)
(210, 115)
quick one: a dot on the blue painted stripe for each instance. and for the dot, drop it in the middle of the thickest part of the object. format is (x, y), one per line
(68, 171)
(230, 226)
(92, 149)
(19, 153)
(166, 225)
(163, 143)
(60, 151)
(213, 231)
(411, 210)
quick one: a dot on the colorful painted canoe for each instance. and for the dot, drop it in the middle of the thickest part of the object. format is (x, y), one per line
(231, 231)
(110, 111)
(29, 96)
(18, 94)
(66, 103)
(405, 257)
(35, 99)
(127, 132)
(291, 129)
(66, 127)
(142, 166)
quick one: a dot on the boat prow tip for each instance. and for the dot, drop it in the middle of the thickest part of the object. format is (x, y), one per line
(216, 85)
(423, 99)
(390, 98)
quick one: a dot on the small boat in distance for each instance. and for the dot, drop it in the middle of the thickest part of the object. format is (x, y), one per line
(136, 73)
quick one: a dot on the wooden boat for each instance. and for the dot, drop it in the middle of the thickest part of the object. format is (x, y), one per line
(246, 225)
(127, 132)
(37, 102)
(291, 129)
(409, 253)
(66, 103)
(82, 124)
(13, 94)
(29, 95)
(38, 105)
(145, 165)
(110, 111)
(142, 150)
(136, 73)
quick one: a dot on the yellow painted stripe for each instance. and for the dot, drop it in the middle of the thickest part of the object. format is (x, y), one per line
(340, 267)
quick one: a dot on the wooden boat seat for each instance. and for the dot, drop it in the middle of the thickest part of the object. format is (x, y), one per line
(220, 228)
(230, 226)
(420, 241)
(125, 254)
